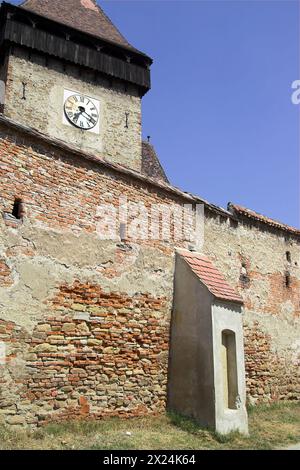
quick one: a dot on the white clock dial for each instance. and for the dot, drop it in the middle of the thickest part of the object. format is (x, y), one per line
(81, 112)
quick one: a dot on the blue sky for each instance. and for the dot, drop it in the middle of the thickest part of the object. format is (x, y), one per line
(220, 112)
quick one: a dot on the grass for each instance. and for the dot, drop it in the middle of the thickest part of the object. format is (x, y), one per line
(271, 427)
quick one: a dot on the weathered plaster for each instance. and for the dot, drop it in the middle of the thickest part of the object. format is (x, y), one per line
(43, 107)
(56, 252)
(229, 317)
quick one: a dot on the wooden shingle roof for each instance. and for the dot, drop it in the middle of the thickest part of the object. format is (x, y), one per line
(151, 165)
(84, 15)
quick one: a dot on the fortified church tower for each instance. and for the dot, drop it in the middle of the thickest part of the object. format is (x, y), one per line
(71, 75)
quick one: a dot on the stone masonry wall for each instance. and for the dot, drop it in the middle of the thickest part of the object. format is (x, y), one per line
(271, 374)
(88, 318)
(99, 354)
(43, 107)
(256, 263)
(86, 321)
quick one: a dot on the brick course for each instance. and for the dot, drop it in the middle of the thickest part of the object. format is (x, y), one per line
(5, 274)
(99, 354)
(269, 376)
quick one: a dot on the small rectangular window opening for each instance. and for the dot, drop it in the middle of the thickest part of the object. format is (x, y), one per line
(287, 280)
(17, 211)
(288, 256)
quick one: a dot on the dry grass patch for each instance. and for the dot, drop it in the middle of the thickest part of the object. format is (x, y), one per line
(270, 427)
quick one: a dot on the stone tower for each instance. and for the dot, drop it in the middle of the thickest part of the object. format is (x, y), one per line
(70, 74)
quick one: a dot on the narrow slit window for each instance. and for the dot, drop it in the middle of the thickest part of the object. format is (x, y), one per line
(288, 256)
(287, 280)
(17, 211)
(123, 230)
(229, 366)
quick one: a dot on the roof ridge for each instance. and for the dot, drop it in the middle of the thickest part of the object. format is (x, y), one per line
(237, 209)
(151, 162)
(110, 21)
(86, 16)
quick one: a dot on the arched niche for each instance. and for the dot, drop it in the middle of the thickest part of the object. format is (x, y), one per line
(229, 368)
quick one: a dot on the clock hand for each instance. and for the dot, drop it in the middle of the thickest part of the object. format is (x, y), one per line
(80, 111)
(90, 118)
(76, 116)
(83, 111)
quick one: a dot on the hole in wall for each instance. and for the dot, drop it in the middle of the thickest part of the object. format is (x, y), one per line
(18, 209)
(287, 280)
(244, 277)
(288, 256)
(233, 223)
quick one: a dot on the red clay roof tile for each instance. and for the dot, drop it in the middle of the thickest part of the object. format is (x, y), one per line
(210, 276)
(237, 210)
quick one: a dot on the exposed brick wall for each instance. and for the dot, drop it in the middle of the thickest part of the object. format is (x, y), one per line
(255, 263)
(63, 192)
(277, 290)
(269, 376)
(87, 321)
(100, 354)
(5, 274)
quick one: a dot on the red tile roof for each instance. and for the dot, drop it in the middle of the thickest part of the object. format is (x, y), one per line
(250, 214)
(84, 15)
(210, 276)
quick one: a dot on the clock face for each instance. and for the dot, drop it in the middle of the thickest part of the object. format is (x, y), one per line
(81, 112)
